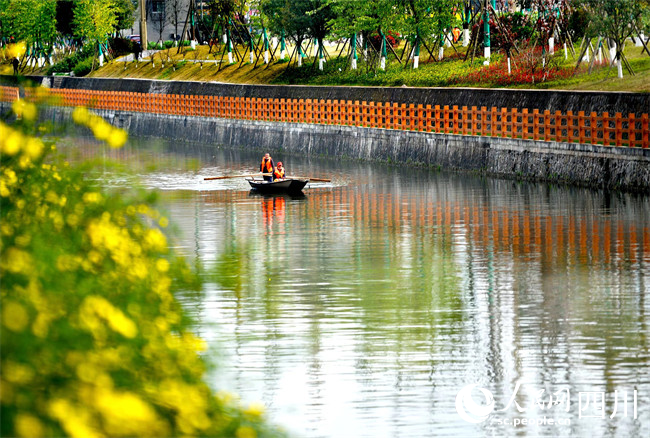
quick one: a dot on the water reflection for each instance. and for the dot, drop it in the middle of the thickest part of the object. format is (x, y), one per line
(361, 308)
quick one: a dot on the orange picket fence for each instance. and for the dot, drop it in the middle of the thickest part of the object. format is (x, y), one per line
(629, 130)
(8, 94)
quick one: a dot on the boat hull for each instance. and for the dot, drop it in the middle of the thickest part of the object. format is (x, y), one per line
(281, 186)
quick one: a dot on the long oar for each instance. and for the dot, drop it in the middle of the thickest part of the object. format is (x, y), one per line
(236, 176)
(310, 178)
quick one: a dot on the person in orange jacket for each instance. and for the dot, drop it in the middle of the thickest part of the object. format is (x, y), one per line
(267, 166)
(279, 171)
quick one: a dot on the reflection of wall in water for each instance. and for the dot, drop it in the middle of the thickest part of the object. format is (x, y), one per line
(583, 235)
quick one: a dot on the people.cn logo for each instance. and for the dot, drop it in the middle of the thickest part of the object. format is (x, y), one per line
(471, 411)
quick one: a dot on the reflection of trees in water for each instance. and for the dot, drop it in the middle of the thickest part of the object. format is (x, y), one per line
(403, 282)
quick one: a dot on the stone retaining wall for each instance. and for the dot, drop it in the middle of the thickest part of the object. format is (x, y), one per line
(594, 166)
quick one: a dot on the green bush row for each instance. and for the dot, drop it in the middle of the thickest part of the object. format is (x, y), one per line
(152, 45)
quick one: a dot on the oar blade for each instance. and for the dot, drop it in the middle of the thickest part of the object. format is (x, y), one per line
(211, 178)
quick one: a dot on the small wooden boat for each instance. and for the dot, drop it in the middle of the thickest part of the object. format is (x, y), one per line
(288, 185)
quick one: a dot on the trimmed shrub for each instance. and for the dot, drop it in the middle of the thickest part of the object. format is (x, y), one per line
(83, 67)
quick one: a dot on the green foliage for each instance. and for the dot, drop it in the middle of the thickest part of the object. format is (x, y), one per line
(615, 19)
(578, 23)
(361, 17)
(66, 65)
(83, 67)
(299, 18)
(94, 20)
(93, 341)
(125, 13)
(31, 21)
(69, 63)
(428, 75)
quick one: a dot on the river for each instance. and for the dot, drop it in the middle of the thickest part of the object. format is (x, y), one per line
(370, 305)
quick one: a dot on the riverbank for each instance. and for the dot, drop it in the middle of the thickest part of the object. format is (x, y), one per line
(557, 72)
(454, 70)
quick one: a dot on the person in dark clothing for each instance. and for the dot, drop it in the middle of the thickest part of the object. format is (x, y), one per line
(137, 50)
(267, 166)
(15, 62)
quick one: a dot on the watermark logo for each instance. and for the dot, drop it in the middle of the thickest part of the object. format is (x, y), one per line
(471, 411)
(530, 405)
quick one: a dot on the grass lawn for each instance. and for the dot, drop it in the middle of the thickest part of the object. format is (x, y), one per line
(452, 71)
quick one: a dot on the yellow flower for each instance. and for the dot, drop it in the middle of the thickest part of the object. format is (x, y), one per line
(196, 344)
(72, 220)
(255, 410)
(80, 115)
(6, 229)
(92, 197)
(14, 316)
(52, 197)
(162, 265)
(225, 397)
(30, 112)
(28, 426)
(75, 420)
(117, 138)
(24, 162)
(16, 50)
(34, 148)
(11, 176)
(17, 373)
(101, 129)
(41, 324)
(66, 262)
(245, 432)
(23, 240)
(94, 308)
(155, 240)
(16, 260)
(126, 414)
(95, 257)
(12, 144)
(26, 110)
(138, 269)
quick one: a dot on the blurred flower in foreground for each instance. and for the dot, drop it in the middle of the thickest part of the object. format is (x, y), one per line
(102, 130)
(16, 50)
(93, 342)
(25, 110)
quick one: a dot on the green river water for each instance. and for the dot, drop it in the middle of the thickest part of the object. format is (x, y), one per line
(368, 306)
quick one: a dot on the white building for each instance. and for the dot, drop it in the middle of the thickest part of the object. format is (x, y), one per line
(166, 18)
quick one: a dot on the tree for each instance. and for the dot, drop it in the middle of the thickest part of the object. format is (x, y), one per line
(31, 21)
(425, 17)
(300, 19)
(352, 16)
(125, 11)
(94, 21)
(617, 20)
(290, 17)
